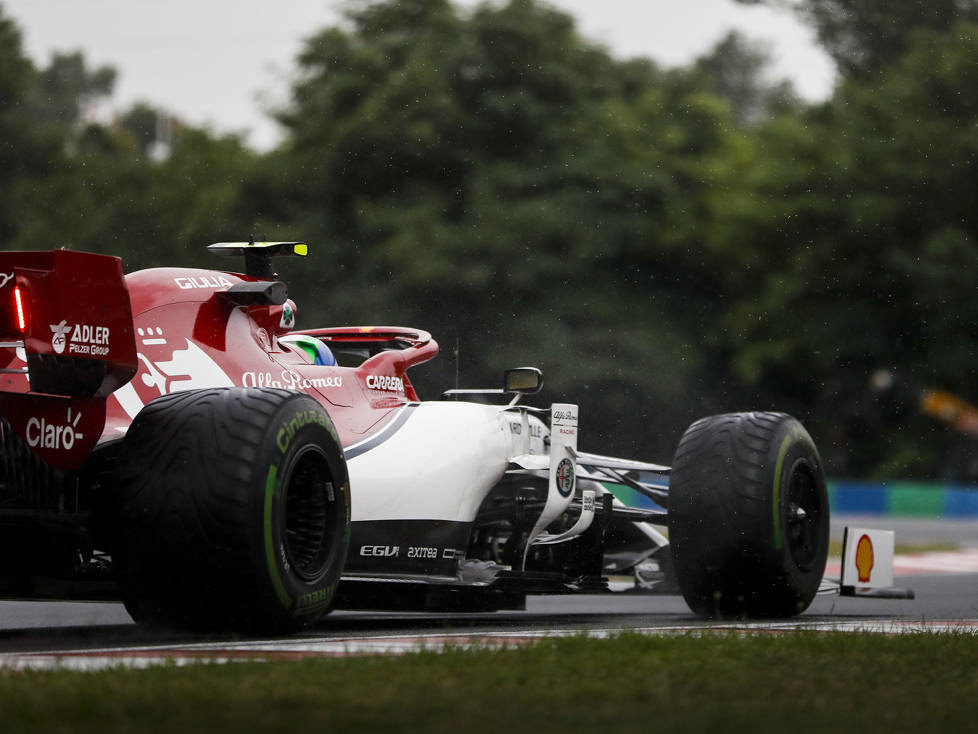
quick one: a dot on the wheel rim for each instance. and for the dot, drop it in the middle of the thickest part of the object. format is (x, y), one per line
(308, 512)
(803, 521)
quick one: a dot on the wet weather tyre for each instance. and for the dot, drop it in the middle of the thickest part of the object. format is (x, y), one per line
(748, 516)
(235, 510)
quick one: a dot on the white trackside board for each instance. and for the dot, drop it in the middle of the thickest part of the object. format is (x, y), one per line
(867, 558)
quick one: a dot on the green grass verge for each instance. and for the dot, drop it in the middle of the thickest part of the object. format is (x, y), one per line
(799, 682)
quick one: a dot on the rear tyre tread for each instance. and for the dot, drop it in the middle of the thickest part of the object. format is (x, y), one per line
(193, 488)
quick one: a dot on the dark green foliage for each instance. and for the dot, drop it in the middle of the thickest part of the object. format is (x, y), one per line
(65, 89)
(508, 185)
(734, 71)
(869, 207)
(24, 154)
(663, 243)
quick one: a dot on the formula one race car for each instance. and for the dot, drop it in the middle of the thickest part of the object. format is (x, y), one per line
(168, 438)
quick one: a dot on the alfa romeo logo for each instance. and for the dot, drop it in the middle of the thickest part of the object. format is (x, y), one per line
(565, 477)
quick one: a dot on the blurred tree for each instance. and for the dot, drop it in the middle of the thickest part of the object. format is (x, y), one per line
(25, 154)
(143, 123)
(67, 92)
(865, 36)
(498, 180)
(664, 244)
(871, 207)
(72, 180)
(109, 197)
(735, 70)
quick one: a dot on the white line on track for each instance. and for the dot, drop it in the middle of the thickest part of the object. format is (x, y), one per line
(298, 648)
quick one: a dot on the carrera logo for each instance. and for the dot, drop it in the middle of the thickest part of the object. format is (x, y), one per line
(44, 435)
(203, 281)
(5, 278)
(80, 339)
(387, 383)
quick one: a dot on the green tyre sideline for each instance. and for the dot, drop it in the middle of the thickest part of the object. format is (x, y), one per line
(235, 511)
(748, 516)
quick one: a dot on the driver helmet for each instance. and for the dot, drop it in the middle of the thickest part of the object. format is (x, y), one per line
(316, 350)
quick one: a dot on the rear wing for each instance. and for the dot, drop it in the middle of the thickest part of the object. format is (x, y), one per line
(66, 343)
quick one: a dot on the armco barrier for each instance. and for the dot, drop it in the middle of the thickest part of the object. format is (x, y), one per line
(908, 499)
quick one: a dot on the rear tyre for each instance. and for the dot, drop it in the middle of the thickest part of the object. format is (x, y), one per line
(748, 516)
(235, 510)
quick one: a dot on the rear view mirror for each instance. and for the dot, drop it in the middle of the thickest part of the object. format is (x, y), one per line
(525, 380)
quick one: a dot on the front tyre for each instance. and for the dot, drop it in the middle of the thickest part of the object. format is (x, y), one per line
(236, 510)
(748, 516)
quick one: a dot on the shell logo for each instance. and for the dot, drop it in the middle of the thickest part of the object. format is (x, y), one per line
(864, 558)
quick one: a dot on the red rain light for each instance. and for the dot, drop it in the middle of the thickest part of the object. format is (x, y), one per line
(19, 306)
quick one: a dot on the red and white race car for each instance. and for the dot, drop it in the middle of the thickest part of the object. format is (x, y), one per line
(169, 438)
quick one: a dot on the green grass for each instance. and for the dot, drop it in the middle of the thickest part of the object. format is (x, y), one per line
(800, 682)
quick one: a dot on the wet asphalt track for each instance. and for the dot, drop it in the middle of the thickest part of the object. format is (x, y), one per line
(52, 626)
(31, 627)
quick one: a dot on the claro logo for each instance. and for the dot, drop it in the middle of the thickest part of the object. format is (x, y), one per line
(44, 435)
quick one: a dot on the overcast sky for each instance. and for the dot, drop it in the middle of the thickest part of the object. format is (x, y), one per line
(221, 63)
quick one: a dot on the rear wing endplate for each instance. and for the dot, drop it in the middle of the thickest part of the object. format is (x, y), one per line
(66, 343)
(73, 321)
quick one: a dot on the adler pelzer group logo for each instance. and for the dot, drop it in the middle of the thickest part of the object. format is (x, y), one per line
(80, 339)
